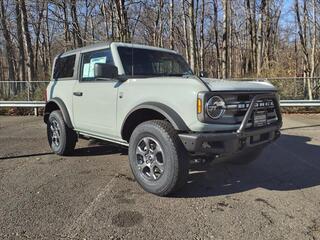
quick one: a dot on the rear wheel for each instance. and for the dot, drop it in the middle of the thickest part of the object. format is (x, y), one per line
(158, 159)
(61, 138)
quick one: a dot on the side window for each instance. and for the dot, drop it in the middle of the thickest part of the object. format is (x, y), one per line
(90, 59)
(64, 67)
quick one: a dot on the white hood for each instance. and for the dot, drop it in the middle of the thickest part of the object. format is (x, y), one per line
(231, 85)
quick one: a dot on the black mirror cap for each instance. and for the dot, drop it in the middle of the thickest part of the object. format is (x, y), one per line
(203, 74)
(105, 70)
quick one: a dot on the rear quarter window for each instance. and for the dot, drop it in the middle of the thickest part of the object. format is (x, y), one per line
(64, 67)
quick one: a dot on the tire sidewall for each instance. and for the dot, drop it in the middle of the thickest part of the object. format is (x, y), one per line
(170, 158)
(57, 116)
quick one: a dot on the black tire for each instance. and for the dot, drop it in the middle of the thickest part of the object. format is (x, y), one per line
(67, 137)
(174, 157)
(245, 157)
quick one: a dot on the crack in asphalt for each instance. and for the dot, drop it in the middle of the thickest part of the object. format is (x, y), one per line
(73, 229)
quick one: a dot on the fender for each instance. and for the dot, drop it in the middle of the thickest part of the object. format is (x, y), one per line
(170, 114)
(63, 109)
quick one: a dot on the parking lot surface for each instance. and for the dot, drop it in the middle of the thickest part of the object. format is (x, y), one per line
(92, 194)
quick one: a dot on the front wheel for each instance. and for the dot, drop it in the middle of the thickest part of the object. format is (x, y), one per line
(61, 138)
(158, 159)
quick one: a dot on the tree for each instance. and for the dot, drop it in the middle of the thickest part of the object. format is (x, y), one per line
(202, 36)
(260, 37)
(192, 36)
(303, 42)
(225, 39)
(171, 20)
(22, 61)
(76, 33)
(10, 56)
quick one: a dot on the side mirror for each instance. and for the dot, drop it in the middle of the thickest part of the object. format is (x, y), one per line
(104, 70)
(203, 74)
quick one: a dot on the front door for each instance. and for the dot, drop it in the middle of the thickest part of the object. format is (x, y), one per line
(94, 100)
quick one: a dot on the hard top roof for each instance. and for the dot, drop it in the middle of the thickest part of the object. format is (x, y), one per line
(101, 45)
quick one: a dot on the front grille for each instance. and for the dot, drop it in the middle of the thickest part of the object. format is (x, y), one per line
(237, 106)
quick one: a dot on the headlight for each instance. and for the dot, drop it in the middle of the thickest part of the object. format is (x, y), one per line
(215, 107)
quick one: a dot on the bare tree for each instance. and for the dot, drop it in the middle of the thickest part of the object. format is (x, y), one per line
(171, 20)
(260, 38)
(185, 31)
(216, 35)
(225, 39)
(303, 42)
(77, 37)
(10, 56)
(22, 63)
(192, 36)
(158, 26)
(122, 21)
(27, 41)
(202, 36)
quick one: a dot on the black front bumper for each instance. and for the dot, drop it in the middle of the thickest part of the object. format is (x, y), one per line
(231, 142)
(228, 143)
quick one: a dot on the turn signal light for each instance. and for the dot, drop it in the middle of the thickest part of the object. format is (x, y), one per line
(199, 105)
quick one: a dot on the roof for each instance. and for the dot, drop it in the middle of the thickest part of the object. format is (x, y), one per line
(87, 48)
(107, 44)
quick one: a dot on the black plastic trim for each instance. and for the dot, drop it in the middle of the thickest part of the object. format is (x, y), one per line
(62, 108)
(229, 143)
(173, 117)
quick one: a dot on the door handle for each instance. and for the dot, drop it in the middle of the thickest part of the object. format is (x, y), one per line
(78, 94)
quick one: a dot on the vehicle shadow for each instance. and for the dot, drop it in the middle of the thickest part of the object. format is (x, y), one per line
(97, 147)
(92, 148)
(290, 163)
(25, 155)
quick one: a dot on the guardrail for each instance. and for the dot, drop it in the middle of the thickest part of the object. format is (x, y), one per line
(24, 104)
(300, 103)
(40, 104)
(31, 104)
(293, 88)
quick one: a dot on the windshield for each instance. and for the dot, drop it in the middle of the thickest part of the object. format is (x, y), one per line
(152, 62)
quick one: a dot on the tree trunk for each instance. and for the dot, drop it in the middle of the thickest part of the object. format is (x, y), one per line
(22, 65)
(302, 35)
(27, 42)
(192, 36)
(314, 46)
(8, 44)
(216, 35)
(225, 39)
(260, 37)
(67, 37)
(75, 24)
(123, 26)
(40, 9)
(185, 32)
(106, 19)
(202, 36)
(171, 20)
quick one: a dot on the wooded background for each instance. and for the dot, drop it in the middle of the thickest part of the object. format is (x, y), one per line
(236, 38)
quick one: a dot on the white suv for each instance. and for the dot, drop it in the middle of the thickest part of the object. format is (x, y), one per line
(148, 99)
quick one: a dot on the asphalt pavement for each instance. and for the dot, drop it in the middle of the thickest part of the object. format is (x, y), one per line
(93, 195)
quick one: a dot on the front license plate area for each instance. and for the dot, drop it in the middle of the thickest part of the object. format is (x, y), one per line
(260, 118)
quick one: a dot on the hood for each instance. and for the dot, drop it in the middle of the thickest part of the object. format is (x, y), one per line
(231, 85)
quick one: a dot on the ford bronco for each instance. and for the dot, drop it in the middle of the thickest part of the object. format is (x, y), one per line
(148, 99)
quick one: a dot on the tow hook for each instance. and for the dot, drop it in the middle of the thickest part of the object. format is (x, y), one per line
(242, 143)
